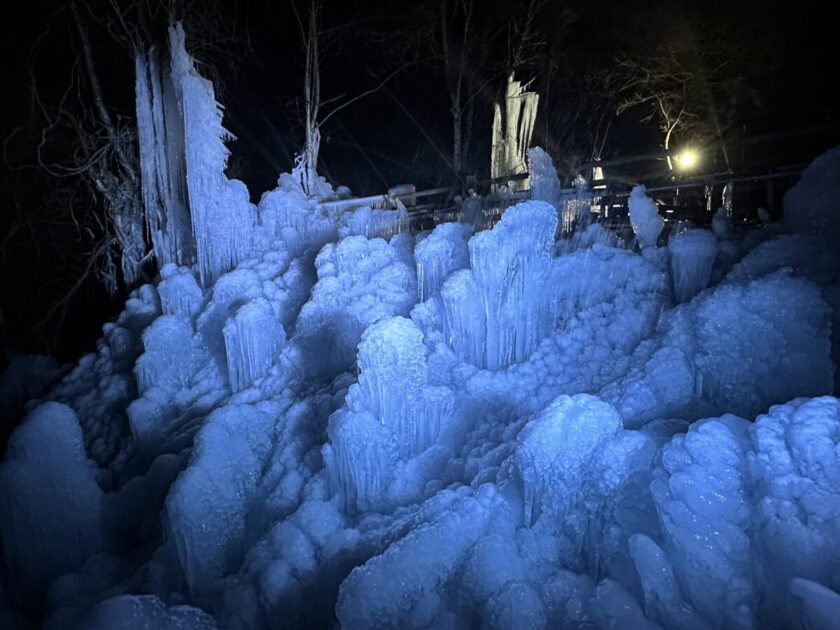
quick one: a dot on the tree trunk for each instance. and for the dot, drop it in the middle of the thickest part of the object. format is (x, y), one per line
(457, 134)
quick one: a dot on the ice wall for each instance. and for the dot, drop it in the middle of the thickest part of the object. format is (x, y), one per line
(290, 439)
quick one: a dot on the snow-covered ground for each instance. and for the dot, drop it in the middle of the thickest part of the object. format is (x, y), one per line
(327, 420)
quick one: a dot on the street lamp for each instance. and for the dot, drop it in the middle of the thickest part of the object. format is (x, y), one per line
(687, 159)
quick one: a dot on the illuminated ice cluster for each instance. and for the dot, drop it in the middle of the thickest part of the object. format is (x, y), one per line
(315, 419)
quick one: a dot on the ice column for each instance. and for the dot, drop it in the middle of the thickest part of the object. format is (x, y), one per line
(223, 218)
(253, 340)
(391, 415)
(692, 258)
(496, 313)
(438, 255)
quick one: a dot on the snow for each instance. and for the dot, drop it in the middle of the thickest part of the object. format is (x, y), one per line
(323, 419)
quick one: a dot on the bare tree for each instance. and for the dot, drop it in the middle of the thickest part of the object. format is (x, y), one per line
(680, 88)
(77, 153)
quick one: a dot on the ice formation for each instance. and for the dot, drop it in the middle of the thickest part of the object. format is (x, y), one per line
(496, 312)
(644, 217)
(693, 255)
(321, 418)
(438, 255)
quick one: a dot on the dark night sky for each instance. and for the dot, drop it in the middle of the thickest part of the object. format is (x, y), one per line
(394, 136)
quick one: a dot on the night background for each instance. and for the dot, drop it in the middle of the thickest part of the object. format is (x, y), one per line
(468, 362)
(771, 63)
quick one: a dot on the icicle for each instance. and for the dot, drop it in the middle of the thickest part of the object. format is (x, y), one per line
(253, 340)
(166, 360)
(391, 415)
(497, 312)
(692, 258)
(437, 256)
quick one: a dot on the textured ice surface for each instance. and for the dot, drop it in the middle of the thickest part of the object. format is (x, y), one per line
(731, 349)
(310, 425)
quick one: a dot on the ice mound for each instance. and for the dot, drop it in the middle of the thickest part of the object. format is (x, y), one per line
(144, 612)
(509, 266)
(50, 502)
(732, 349)
(812, 206)
(360, 282)
(391, 417)
(438, 255)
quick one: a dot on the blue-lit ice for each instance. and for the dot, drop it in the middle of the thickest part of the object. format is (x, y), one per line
(315, 418)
